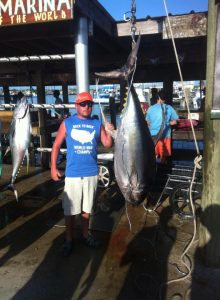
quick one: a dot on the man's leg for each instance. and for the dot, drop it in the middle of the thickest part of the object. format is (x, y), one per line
(85, 224)
(71, 206)
(89, 191)
(67, 246)
(69, 222)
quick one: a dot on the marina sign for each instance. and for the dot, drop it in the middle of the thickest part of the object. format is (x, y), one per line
(190, 25)
(18, 12)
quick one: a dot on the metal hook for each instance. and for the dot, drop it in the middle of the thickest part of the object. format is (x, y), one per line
(127, 19)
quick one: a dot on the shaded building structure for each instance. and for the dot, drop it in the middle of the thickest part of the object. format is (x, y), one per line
(109, 43)
(67, 43)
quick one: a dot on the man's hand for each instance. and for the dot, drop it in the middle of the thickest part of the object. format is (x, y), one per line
(56, 175)
(109, 128)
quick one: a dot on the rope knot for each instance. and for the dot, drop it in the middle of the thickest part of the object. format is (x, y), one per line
(197, 161)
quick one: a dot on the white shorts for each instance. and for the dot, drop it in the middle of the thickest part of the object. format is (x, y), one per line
(79, 194)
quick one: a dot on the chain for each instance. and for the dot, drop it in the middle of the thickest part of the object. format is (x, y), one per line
(133, 20)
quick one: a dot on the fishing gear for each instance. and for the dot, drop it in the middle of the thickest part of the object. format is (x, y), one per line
(132, 20)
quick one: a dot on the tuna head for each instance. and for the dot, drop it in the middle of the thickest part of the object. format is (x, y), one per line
(134, 157)
(21, 109)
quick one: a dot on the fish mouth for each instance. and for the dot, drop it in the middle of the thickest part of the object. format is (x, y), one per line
(135, 197)
(21, 109)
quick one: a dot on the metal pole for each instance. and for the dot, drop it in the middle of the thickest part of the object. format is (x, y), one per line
(81, 55)
(37, 58)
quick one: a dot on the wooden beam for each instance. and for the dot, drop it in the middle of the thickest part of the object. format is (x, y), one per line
(96, 12)
(190, 25)
(36, 32)
(144, 27)
(186, 26)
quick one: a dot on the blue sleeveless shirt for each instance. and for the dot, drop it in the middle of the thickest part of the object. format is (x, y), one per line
(82, 137)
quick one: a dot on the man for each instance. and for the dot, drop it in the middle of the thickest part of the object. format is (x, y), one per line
(58, 111)
(17, 97)
(82, 134)
(154, 119)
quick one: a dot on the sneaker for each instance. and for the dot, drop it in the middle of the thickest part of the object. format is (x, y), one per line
(91, 242)
(66, 248)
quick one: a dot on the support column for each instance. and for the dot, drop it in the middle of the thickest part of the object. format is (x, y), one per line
(65, 97)
(42, 116)
(168, 88)
(112, 108)
(81, 55)
(65, 93)
(209, 237)
(7, 96)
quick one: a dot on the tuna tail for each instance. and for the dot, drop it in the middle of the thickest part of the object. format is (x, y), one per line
(127, 68)
(7, 151)
(12, 187)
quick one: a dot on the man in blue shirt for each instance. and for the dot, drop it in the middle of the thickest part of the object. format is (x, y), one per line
(82, 134)
(158, 115)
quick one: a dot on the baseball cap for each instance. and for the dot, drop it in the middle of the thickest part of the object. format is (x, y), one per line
(84, 96)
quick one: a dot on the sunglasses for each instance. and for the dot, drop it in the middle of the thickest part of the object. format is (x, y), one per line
(84, 104)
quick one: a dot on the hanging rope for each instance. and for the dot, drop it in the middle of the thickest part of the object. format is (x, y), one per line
(181, 78)
(197, 164)
(97, 95)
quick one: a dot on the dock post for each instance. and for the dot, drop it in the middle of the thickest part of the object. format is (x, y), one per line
(7, 96)
(209, 237)
(112, 108)
(168, 88)
(44, 138)
(65, 97)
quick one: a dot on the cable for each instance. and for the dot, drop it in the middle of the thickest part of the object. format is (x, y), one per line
(181, 77)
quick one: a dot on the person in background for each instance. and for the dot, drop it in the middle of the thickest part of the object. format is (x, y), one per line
(202, 105)
(58, 111)
(153, 99)
(144, 106)
(17, 97)
(154, 119)
(20, 95)
(82, 134)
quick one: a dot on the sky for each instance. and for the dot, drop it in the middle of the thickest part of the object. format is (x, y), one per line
(153, 8)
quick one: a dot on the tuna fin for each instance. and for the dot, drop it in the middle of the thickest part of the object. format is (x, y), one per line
(27, 156)
(7, 150)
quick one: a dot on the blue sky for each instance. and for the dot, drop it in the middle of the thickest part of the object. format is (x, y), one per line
(153, 8)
